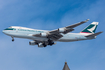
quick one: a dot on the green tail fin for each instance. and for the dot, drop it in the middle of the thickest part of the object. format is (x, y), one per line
(91, 28)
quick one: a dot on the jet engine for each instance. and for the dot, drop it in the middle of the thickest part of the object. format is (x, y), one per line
(32, 43)
(62, 30)
(44, 34)
(41, 45)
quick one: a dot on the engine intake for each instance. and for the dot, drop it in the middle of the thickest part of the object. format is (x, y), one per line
(40, 45)
(62, 30)
(32, 43)
(44, 34)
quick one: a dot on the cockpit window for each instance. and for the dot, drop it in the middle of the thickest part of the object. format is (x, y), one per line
(9, 29)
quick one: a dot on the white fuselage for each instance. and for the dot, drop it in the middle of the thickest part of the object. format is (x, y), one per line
(23, 32)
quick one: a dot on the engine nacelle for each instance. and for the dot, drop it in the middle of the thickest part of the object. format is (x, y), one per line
(43, 34)
(40, 45)
(32, 43)
(62, 30)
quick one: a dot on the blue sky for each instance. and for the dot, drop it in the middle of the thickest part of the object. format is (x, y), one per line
(49, 15)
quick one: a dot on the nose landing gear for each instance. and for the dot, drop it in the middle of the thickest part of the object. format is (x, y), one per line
(12, 39)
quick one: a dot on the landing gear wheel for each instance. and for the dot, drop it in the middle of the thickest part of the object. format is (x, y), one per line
(44, 45)
(12, 40)
(50, 42)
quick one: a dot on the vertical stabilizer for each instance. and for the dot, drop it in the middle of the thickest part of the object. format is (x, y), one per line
(91, 28)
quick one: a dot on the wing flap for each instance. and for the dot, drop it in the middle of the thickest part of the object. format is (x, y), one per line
(68, 30)
(92, 35)
(55, 36)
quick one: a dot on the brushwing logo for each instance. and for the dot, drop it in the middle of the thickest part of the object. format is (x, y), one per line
(92, 29)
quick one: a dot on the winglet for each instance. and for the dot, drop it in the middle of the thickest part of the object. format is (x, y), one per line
(77, 24)
(87, 20)
(92, 35)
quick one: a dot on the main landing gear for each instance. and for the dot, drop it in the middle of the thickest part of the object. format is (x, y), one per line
(44, 45)
(50, 42)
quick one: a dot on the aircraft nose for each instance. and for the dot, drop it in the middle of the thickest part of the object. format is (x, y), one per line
(3, 31)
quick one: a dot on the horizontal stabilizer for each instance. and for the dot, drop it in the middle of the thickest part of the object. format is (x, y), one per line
(95, 34)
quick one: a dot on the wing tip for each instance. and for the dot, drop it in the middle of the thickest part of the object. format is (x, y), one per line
(101, 32)
(87, 20)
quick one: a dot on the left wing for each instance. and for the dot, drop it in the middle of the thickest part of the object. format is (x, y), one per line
(56, 34)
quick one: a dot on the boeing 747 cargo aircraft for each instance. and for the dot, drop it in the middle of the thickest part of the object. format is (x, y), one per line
(42, 38)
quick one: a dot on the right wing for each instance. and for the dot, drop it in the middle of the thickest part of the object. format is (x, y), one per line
(68, 28)
(56, 34)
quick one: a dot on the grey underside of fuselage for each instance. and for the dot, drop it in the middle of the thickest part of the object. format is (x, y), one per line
(66, 37)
